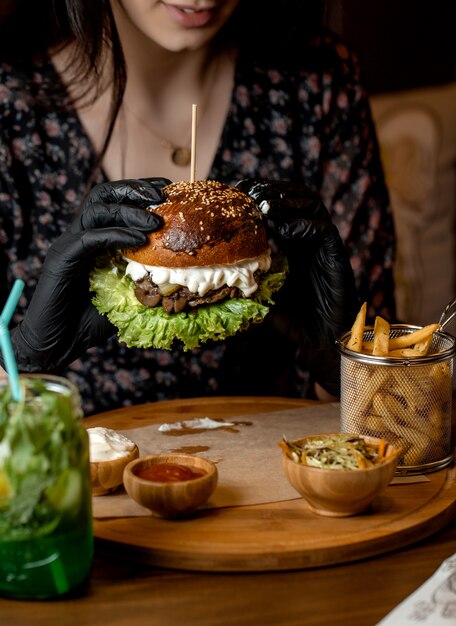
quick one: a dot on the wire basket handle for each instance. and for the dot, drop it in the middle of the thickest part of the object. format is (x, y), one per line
(448, 313)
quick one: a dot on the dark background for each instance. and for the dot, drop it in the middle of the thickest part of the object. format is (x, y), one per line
(401, 44)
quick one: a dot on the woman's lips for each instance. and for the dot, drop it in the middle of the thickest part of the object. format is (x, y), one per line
(188, 16)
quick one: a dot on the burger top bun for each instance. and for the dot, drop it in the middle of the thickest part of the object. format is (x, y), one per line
(204, 223)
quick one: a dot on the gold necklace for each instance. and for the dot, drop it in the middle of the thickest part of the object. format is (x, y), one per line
(180, 155)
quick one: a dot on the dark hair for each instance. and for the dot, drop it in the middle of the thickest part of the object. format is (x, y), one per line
(263, 31)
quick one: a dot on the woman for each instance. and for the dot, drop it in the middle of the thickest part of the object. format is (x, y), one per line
(102, 91)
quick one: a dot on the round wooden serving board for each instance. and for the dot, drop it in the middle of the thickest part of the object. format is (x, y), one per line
(277, 536)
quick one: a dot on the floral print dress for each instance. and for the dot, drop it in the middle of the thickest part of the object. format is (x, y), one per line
(310, 125)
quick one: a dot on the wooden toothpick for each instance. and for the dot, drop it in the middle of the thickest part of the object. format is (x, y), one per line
(193, 146)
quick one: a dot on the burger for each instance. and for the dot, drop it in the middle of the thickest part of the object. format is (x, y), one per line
(205, 275)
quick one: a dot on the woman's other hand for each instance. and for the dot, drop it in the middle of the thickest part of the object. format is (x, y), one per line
(61, 322)
(319, 300)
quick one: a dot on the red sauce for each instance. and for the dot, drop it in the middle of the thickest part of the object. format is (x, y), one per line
(169, 472)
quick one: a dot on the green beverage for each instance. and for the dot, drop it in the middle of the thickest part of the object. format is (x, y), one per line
(46, 541)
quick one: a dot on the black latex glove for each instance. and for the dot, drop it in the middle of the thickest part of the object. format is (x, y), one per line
(61, 323)
(318, 301)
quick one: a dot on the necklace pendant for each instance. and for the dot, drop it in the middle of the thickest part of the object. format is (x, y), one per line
(181, 156)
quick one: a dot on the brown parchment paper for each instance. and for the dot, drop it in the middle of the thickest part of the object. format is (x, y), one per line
(247, 456)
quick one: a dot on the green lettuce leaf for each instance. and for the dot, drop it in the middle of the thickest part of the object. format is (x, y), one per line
(140, 326)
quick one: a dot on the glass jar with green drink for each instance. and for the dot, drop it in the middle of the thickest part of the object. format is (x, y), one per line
(46, 540)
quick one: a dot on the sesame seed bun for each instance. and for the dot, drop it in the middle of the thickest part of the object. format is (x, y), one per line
(204, 223)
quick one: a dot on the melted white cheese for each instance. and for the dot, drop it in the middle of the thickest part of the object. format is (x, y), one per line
(200, 280)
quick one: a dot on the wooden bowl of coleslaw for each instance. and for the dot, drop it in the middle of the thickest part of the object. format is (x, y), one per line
(339, 474)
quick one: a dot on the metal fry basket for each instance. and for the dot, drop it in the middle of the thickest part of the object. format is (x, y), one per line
(407, 401)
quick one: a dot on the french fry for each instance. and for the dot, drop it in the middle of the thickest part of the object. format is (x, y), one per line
(387, 406)
(367, 386)
(381, 337)
(440, 373)
(421, 446)
(415, 390)
(399, 442)
(358, 379)
(409, 408)
(405, 341)
(405, 352)
(433, 430)
(356, 338)
(422, 347)
(374, 424)
(437, 420)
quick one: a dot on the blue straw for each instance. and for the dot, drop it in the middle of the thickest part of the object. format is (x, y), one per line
(5, 340)
(12, 301)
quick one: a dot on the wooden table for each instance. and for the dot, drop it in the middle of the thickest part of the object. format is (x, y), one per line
(126, 594)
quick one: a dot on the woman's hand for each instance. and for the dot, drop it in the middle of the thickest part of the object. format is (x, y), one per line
(61, 323)
(318, 301)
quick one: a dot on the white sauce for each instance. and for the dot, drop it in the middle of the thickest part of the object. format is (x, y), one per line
(205, 423)
(200, 280)
(107, 444)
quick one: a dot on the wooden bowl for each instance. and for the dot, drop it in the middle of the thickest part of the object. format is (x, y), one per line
(170, 499)
(340, 493)
(107, 476)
